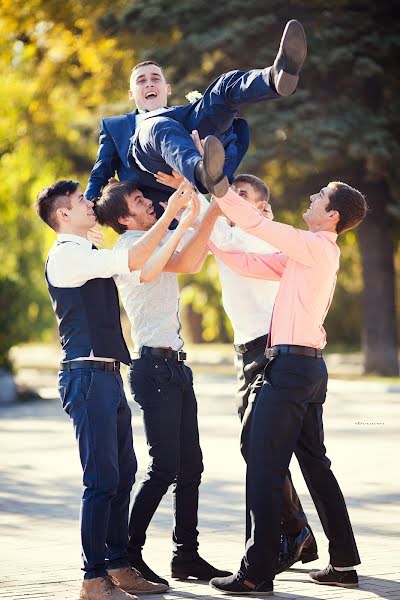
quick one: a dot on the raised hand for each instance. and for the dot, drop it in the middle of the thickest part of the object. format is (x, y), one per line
(191, 212)
(198, 142)
(180, 198)
(95, 236)
(172, 181)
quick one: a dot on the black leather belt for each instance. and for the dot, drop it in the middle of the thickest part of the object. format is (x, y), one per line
(242, 348)
(164, 352)
(292, 349)
(90, 364)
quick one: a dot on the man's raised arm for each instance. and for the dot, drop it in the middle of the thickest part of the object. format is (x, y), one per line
(305, 247)
(259, 266)
(141, 250)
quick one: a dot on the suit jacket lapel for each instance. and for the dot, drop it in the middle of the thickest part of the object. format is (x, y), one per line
(132, 120)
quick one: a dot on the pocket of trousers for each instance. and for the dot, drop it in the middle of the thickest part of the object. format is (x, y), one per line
(74, 388)
(148, 378)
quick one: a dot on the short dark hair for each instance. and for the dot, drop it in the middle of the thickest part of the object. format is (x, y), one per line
(350, 204)
(144, 64)
(256, 183)
(112, 204)
(53, 197)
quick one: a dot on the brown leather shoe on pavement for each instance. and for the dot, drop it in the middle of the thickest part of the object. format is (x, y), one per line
(103, 588)
(130, 580)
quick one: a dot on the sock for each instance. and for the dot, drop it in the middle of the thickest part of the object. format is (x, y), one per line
(344, 568)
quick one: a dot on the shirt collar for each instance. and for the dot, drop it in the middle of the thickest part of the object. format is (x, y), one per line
(133, 233)
(77, 239)
(330, 235)
(140, 111)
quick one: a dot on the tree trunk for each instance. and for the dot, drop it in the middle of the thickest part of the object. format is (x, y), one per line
(379, 334)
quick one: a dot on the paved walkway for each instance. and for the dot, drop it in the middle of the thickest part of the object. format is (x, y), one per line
(40, 491)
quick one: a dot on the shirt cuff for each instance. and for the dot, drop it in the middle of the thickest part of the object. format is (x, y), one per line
(121, 261)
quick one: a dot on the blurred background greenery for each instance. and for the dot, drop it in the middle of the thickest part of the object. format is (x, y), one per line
(64, 64)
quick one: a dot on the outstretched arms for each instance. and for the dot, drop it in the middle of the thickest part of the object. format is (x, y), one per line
(157, 261)
(141, 250)
(305, 247)
(191, 258)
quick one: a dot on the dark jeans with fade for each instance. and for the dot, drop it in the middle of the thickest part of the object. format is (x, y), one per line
(96, 403)
(163, 388)
(288, 418)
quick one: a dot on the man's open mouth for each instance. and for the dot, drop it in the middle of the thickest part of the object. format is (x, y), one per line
(150, 95)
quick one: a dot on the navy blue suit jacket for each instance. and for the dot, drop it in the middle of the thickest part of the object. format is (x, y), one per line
(211, 115)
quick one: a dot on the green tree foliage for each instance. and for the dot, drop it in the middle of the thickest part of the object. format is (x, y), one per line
(56, 67)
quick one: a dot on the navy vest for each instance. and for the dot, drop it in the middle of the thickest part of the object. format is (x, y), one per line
(88, 319)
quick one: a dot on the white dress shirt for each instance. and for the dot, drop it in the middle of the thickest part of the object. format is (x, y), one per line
(247, 301)
(72, 264)
(152, 307)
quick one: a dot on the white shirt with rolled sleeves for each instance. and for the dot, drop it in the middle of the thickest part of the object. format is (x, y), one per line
(152, 307)
(72, 262)
(247, 301)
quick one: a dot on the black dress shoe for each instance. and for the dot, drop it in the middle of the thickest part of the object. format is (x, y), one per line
(138, 563)
(293, 549)
(288, 62)
(209, 170)
(330, 576)
(197, 568)
(240, 584)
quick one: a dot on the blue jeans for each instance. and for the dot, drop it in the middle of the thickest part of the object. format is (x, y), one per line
(163, 388)
(96, 403)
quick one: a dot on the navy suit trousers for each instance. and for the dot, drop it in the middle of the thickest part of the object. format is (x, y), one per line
(288, 418)
(96, 403)
(163, 142)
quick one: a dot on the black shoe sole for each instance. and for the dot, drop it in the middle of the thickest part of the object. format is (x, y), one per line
(293, 44)
(185, 576)
(344, 585)
(182, 577)
(242, 593)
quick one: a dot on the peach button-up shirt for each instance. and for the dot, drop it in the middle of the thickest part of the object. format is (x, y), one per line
(306, 267)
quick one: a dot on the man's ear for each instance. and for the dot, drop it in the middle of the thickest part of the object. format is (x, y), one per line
(169, 90)
(262, 205)
(130, 95)
(62, 215)
(123, 220)
(334, 216)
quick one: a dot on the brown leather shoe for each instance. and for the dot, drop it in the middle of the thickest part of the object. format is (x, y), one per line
(130, 580)
(209, 170)
(103, 588)
(289, 60)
